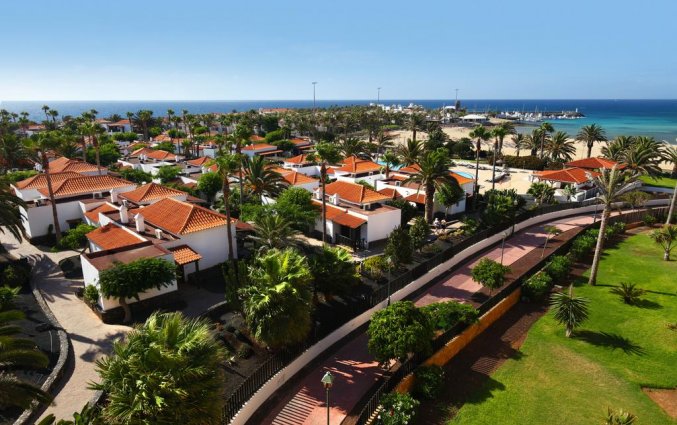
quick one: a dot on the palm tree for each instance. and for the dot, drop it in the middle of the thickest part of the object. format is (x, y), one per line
(12, 150)
(591, 134)
(570, 311)
(666, 237)
(228, 164)
(618, 147)
(531, 141)
(518, 141)
(10, 214)
(502, 130)
(169, 370)
(39, 144)
(45, 109)
(542, 192)
(18, 353)
(170, 116)
(560, 148)
(274, 231)
(328, 154)
(449, 195)
(670, 155)
(278, 304)
(611, 184)
(546, 128)
(410, 152)
(389, 160)
(260, 179)
(93, 130)
(144, 117)
(499, 132)
(433, 172)
(414, 122)
(384, 141)
(352, 146)
(481, 134)
(644, 157)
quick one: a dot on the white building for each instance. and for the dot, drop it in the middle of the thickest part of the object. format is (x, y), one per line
(260, 149)
(354, 169)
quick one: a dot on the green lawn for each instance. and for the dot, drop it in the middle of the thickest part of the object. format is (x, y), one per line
(659, 182)
(619, 349)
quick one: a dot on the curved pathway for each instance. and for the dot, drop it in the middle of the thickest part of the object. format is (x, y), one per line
(356, 371)
(90, 338)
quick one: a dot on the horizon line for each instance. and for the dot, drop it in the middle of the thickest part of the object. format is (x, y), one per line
(318, 100)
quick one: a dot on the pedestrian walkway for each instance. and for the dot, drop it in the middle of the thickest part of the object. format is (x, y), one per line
(90, 338)
(356, 371)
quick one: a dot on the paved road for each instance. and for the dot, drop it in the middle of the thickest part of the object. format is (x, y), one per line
(90, 338)
(356, 371)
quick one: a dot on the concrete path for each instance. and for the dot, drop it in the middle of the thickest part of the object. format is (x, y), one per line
(90, 338)
(356, 371)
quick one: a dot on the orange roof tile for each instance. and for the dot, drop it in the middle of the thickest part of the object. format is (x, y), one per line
(410, 169)
(86, 184)
(180, 217)
(162, 138)
(160, 154)
(567, 175)
(332, 211)
(390, 192)
(183, 254)
(355, 193)
(348, 220)
(151, 192)
(415, 197)
(298, 159)
(461, 179)
(295, 178)
(93, 215)
(39, 181)
(199, 162)
(64, 164)
(258, 147)
(256, 138)
(122, 122)
(594, 163)
(300, 142)
(111, 236)
(354, 165)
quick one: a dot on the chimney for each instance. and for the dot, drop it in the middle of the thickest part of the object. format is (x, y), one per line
(114, 196)
(176, 158)
(124, 213)
(204, 169)
(140, 224)
(158, 233)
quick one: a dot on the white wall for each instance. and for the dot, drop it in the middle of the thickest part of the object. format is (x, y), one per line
(36, 220)
(269, 388)
(91, 277)
(380, 225)
(211, 244)
(308, 170)
(369, 179)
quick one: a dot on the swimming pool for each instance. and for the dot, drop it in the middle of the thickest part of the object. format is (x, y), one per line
(393, 167)
(464, 174)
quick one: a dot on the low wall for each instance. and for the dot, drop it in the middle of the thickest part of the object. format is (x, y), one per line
(269, 388)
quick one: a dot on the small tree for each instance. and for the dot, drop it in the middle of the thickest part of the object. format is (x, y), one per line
(570, 311)
(399, 330)
(418, 233)
(76, 238)
(666, 237)
(542, 192)
(408, 211)
(489, 274)
(398, 247)
(209, 184)
(398, 409)
(124, 281)
(167, 173)
(636, 198)
(136, 175)
(334, 271)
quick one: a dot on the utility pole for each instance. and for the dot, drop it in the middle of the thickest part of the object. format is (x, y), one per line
(314, 83)
(378, 96)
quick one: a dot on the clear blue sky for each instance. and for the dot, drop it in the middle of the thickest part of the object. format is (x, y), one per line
(233, 50)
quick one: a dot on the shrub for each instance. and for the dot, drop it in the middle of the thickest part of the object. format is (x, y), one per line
(408, 211)
(489, 273)
(14, 276)
(537, 286)
(428, 381)
(375, 267)
(398, 409)
(581, 246)
(244, 351)
(649, 220)
(619, 417)
(418, 233)
(399, 330)
(398, 246)
(526, 162)
(558, 268)
(617, 228)
(628, 292)
(7, 296)
(91, 295)
(76, 238)
(445, 315)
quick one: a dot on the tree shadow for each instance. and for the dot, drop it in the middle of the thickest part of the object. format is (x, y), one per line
(609, 340)
(647, 304)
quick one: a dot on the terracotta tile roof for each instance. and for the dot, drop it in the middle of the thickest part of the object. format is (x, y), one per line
(39, 181)
(300, 142)
(567, 175)
(396, 177)
(63, 164)
(103, 260)
(348, 220)
(111, 236)
(295, 178)
(180, 217)
(332, 211)
(122, 122)
(150, 192)
(410, 169)
(136, 145)
(183, 254)
(256, 138)
(145, 150)
(93, 215)
(162, 138)
(594, 163)
(354, 165)
(461, 179)
(258, 147)
(298, 159)
(390, 193)
(418, 198)
(161, 155)
(199, 162)
(86, 184)
(355, 193)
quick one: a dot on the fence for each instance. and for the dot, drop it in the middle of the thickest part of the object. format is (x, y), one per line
(408, 366)
(280, 360)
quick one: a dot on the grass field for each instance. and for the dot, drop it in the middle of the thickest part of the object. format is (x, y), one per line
(618, 350)
(659, 182)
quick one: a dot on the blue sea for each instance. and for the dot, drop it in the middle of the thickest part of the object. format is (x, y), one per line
(657, 118)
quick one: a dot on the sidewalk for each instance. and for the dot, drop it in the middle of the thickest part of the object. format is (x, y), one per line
(90, 338)
(356, 371)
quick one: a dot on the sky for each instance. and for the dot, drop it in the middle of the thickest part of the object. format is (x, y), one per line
(266, 50)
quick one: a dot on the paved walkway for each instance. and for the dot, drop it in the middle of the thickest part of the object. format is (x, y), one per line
(356, 371)
(90, 338)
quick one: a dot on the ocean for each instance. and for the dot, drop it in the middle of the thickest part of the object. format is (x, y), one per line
(657, 118)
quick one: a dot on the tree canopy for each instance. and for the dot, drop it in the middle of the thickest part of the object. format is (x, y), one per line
(399, 330)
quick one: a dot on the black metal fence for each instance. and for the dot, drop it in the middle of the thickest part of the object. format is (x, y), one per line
(278, 361)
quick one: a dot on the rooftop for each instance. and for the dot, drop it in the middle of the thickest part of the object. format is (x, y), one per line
(93, 215)
(594, 163)
(151, 192)
(180, 217)
(355, 193)
(103, 260)
(567, 175)
(355, 165)
(183, 254)
(112, 236)
(86, 185)
(63, 164)
(39, 181)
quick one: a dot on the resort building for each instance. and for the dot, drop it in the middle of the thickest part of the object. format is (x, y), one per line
(354, 169)
(581, 181)
(595, 163)
(150, 160)
(302, 164)
(260, 149)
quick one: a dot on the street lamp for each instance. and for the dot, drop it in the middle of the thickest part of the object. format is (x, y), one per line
(378, 96)
(514, 218)
(505, 235)
(314, 83)
(389, 261)
(327, 382)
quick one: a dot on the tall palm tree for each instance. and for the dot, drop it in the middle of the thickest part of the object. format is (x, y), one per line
(414, 122)
(274, 231)
(12, 150)
(482, 135)
(384, 141)
(93, 130)
(228, 164)
(278, 305)
(410, 152)
(389, 159)
(40, 144)
(352, 146)
(591, 134)
(499, 132)
(506, 128)
(18, 353)
(610, 184)
(327, 154)
(144, 117)
(10, 213)
(45, 109)
(169, 370)
(618, 147)
(433, 172)
(170, 116)
(518, 142)
(130, 117)
(644, 157)
(560, 148)
(546, 128)
(260, 179)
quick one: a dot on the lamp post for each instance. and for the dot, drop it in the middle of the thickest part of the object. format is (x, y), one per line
(505, 235)
(514, 218)
(327, 382)
(378, 96)
(314, 83)
(390, 276)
